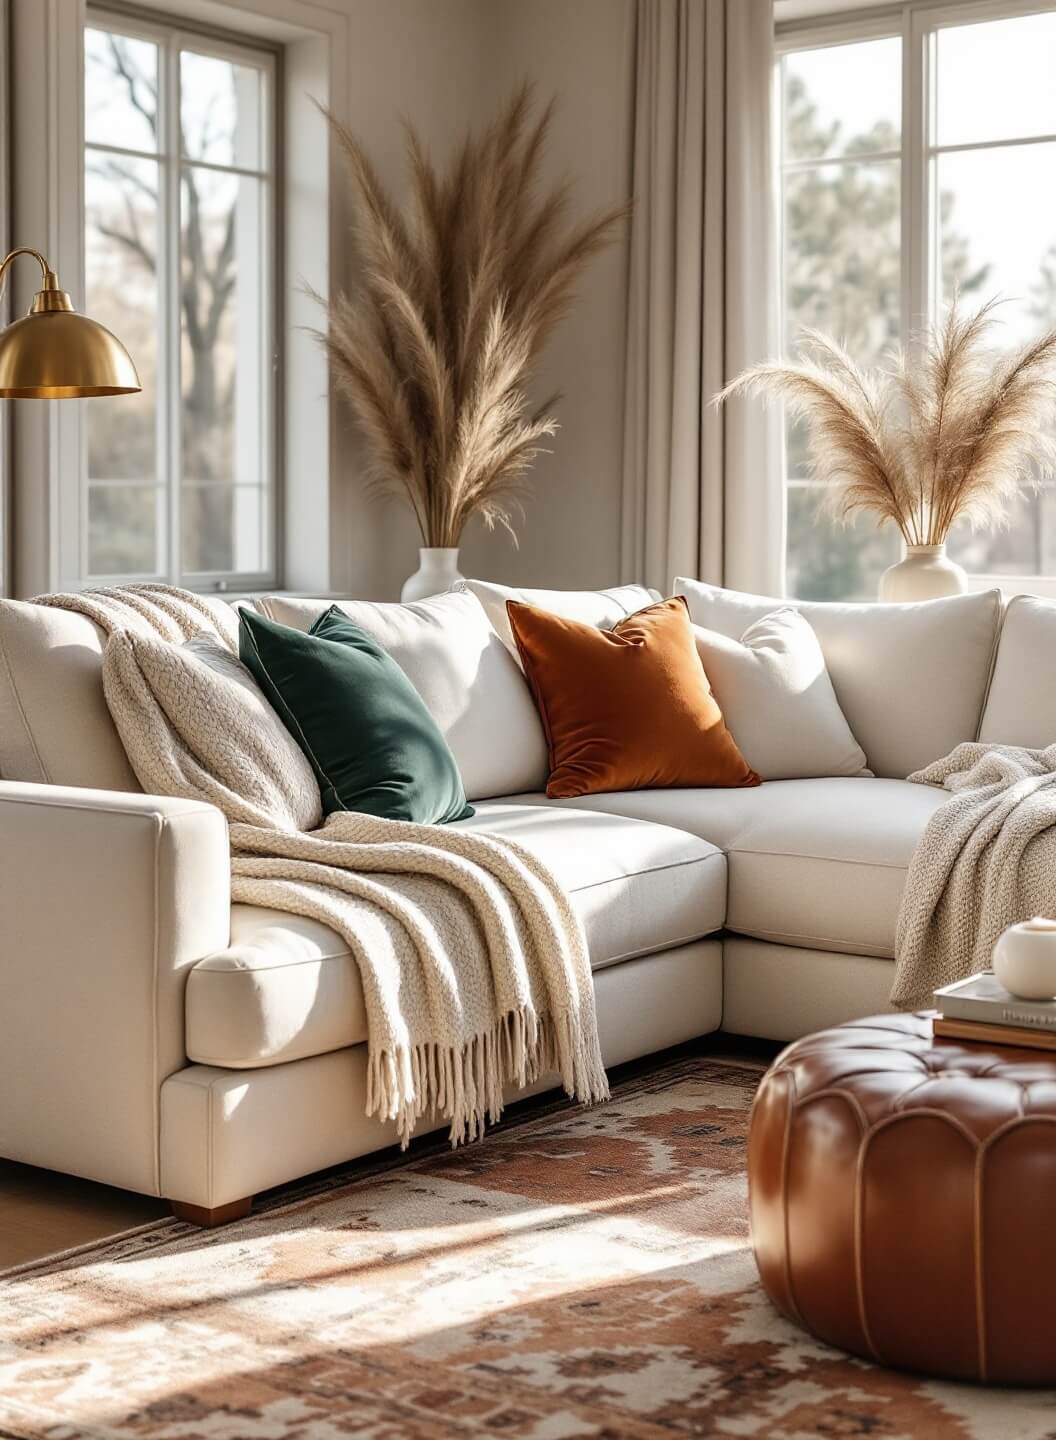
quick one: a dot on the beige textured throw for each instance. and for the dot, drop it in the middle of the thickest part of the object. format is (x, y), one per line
(473, 961)
(986, 860)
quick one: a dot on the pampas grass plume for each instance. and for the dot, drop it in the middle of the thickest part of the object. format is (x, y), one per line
(943, 431)
(454, 301)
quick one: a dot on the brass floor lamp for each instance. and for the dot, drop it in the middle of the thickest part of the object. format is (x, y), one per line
(54, 353)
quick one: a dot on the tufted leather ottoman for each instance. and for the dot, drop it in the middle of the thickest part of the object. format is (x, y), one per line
(903, 1198)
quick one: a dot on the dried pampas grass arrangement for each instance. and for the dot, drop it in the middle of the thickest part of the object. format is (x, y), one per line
(945, 431)
(454, 302)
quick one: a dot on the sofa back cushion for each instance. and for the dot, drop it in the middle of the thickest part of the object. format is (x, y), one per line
(1021, 706)
(54, 725)
(910, 679)
(601, 608)
(470, 684)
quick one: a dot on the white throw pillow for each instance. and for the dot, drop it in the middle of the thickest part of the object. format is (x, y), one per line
(909, 678)
(603, 608)
(476, 694)
(777, 699)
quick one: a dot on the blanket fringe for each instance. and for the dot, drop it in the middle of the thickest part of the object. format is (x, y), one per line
(466, 1086)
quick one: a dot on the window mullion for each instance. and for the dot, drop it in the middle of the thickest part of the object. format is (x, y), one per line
(918, 248)
(169, 348)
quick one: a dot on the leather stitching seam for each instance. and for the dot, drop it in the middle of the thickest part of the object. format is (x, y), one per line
(786, 1151)
(977, 1257)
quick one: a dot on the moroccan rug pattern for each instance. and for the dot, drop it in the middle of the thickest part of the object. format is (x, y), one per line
(586, 1273)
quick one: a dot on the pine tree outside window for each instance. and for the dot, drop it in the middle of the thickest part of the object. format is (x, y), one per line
(917, 161)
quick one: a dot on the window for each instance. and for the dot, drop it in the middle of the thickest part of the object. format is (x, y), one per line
(918, 160)
(180, 239)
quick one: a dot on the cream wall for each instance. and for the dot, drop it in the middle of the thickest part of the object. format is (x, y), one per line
(449, 52)
(582, 51)
(422, 59)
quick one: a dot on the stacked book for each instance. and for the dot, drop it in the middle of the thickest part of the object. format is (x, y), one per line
(981, 1009)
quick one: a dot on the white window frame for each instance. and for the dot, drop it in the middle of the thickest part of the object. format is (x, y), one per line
(914, 22)
(172, 35)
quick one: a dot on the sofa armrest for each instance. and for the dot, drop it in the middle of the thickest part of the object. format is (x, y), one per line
(107, 899)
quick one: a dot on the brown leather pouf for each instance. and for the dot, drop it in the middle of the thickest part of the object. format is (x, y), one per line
(903, 1198)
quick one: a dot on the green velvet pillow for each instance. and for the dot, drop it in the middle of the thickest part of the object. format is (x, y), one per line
(372, 743)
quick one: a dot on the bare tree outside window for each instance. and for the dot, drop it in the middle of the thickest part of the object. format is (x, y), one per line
(177, 211)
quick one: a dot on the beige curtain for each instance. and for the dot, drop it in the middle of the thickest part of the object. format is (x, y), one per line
(5, 301)
(702, 491)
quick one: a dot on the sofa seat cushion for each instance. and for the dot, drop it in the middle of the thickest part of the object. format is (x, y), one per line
(815, 863)
(825, 865)
(288, 987)
(716, 815)
(636, 887)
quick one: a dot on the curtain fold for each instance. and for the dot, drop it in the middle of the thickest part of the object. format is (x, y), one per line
(702, 489)
(5, 300)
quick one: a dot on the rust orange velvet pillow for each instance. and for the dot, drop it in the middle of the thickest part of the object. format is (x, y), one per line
(628, 708)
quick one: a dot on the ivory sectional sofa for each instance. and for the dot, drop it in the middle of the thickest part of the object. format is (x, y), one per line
(154, 1037)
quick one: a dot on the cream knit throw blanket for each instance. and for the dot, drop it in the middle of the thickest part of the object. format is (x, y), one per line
(473, 962)
(986, 860)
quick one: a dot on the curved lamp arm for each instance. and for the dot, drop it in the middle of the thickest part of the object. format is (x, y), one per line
(49, 287)
(45, 268)
(49, 279)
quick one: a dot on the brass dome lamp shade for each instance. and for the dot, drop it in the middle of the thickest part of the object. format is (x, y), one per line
(53, 353)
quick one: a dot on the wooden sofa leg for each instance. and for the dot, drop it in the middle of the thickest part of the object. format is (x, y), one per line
(209, 1219)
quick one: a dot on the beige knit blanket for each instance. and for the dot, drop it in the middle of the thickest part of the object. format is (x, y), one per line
(986, 860)
(473, 962)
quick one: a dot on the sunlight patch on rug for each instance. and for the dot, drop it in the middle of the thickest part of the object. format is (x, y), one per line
(582, 1273)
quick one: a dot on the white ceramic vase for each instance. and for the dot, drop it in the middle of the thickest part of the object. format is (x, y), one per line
(1025, 959)
(925, 572)
(437, 571)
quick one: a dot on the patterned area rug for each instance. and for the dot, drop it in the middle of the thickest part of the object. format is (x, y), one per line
(580, 1274)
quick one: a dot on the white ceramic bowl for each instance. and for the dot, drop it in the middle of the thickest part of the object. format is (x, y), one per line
(1025, 959)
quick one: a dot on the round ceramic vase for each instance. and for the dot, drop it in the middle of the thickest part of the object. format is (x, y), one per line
(1025, 959)
(437, 571)
(925, 572)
